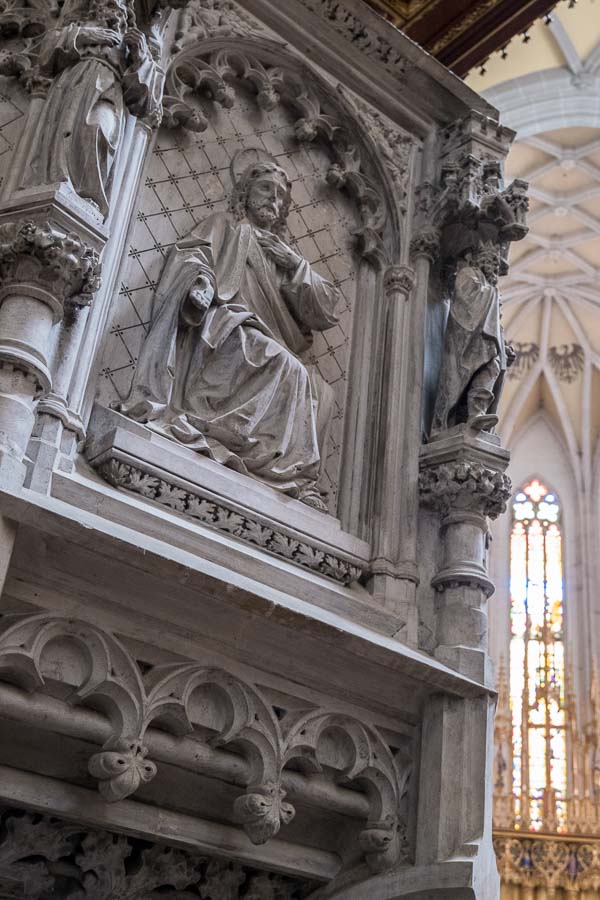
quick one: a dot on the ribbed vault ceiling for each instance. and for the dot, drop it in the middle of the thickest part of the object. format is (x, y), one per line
(552, 294)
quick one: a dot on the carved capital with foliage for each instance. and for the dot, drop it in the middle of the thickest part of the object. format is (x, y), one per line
(59, 263)
(399, 280)
(464, 486)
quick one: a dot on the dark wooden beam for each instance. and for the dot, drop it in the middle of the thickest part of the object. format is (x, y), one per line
(462, 33)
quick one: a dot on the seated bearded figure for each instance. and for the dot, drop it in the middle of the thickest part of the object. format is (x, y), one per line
(221, 369)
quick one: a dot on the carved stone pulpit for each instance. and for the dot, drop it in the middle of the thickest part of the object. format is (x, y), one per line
(251, 353)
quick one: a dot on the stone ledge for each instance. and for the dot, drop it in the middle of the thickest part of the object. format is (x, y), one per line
(133, 458)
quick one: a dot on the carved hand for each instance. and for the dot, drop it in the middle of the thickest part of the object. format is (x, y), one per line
(283, 255)
(136, 43)
(202, 292)
(98, 36)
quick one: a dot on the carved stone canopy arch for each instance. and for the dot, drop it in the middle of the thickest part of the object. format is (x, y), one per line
(51, 656)
(369, 159)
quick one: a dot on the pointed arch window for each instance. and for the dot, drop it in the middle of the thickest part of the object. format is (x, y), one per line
(537, 661)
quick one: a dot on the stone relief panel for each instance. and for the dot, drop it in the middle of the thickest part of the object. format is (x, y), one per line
(187, 179)
(13, 107)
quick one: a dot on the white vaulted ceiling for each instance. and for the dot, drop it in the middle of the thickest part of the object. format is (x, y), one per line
(552, 294)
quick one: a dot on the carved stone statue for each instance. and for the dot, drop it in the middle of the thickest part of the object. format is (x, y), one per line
(475, 354)
(221, 369)
(95, 63)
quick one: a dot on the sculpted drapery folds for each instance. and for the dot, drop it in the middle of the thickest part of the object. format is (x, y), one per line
(475, 354)
(221, 369)
(482, 222)
(96, 63)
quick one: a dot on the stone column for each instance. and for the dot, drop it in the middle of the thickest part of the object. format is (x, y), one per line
(44, 270)
(394, 569)
(462, 477)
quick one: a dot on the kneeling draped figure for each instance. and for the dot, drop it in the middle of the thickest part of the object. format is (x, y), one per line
(221, 369)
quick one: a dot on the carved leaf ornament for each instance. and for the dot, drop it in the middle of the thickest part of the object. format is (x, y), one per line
(209, 72)
(220, 710)
(42, 857)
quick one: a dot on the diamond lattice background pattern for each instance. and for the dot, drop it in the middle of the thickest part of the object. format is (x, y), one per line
(13, 106)
(187, 178)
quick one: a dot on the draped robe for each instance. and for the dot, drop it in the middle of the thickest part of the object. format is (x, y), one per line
(230, 382)
(473, 339)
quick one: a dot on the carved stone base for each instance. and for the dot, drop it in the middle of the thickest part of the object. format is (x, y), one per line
(129, 456)
(462, 477)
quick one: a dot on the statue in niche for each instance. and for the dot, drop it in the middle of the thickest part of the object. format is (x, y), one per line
(475, 356)
(96, 64)
(221, 369)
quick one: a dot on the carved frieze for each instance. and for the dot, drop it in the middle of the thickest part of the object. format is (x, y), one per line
(60, 262)
(42, 857)
(299, 739)
(360, 35)
(219, 516)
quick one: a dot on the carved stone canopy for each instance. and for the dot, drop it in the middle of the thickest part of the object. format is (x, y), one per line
(259, 743)
(371, 163)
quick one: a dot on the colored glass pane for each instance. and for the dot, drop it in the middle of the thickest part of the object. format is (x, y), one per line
(537, 663)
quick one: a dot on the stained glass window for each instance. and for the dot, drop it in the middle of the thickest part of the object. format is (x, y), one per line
(537, 661)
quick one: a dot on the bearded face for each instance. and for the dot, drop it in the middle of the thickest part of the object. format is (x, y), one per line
(266, 198)
(489, 263)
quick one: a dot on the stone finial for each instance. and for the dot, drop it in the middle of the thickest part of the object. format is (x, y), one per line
(120, 769)
(262, 811)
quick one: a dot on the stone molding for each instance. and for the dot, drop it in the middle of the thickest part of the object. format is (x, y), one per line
(43, 857)
(113, 681)
(464, 486)
(59, 262)
(354, 30)
(217, 515)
